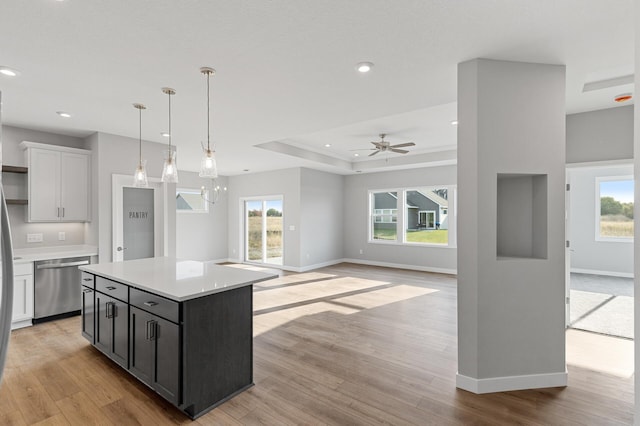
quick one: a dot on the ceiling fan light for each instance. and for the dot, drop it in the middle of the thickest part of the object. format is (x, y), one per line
(208, 165)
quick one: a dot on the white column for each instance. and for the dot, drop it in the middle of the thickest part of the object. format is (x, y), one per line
(511, 259)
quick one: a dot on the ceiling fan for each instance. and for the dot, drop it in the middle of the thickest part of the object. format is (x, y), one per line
(384, 146)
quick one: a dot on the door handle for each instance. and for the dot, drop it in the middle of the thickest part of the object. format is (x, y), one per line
(121, 248)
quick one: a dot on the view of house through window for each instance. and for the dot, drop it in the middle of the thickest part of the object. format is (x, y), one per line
(427, 220)
(191, 200)
(384, 216)
(424, 215)
(616, 208)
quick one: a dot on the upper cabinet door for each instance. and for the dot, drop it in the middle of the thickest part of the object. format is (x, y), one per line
(59, 182)
(74, 187)
(44, 185)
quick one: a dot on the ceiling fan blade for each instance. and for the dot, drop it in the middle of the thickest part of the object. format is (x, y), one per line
(364, 149)
(399, 151)
(374, 153)
(403, 144)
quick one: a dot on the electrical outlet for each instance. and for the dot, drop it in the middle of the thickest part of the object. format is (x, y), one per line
(61, 236)
(35, 238)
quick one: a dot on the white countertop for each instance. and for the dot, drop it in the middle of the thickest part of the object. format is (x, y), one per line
(177, 279)
(55, 252)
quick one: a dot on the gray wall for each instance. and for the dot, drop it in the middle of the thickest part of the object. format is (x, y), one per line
(587, 254)
(356, 222)
(118, 155)
(202, 236)
(600, 135)
(321, 217)
(16, 186)
(510, 312)
(280, 182)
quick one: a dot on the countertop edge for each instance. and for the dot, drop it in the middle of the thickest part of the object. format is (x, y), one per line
(89, 269)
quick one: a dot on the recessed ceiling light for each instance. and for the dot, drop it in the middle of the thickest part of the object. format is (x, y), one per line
(454, 123)
(63, 114)
(364, 67)
(356, 155)
(623, 97)
(327, 145)
(9, 72)
(164, 134)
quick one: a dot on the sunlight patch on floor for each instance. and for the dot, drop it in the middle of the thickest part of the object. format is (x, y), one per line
(597, 352)
(266, 322)
(376, 298)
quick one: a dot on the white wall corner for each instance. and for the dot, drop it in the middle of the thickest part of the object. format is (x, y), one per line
(511, 383)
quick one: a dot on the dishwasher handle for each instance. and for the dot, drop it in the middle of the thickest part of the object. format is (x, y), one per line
(62, 265)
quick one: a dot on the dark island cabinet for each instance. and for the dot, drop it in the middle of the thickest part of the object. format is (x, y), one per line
(195, 353)
(155, 353)
(112, 320)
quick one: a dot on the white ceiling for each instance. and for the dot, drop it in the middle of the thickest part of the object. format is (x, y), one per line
(286, 75)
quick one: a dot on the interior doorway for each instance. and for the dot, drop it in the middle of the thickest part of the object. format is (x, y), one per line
(138, 218)
(600, 288)
(263, 219)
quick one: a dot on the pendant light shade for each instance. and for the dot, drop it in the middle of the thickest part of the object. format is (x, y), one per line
(170, 169)
(140, 175)
(208, 165)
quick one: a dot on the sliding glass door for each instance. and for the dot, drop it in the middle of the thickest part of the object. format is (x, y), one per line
(263, 231)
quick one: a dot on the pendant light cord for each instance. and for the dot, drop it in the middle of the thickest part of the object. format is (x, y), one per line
(208, 112)
(169, 124)
(140, 136)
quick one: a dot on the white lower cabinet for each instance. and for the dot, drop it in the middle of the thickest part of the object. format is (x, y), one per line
(22, 295)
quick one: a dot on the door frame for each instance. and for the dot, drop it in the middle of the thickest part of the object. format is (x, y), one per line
(244, 228)
(160, 214)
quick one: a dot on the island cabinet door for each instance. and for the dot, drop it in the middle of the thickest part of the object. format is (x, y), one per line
(112, 328)
(155, 353)
(88, 314)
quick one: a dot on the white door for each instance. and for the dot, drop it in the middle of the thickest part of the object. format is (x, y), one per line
(138, 219)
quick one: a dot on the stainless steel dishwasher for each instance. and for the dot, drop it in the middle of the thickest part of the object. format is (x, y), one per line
(57, 288)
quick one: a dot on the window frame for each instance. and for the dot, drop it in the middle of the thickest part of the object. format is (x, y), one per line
(598, 236)
(402, 219)
(198, 191)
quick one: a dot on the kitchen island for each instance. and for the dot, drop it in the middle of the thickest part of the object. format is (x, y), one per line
(184, 328)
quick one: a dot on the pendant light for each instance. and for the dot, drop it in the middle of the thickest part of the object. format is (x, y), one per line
(140, 175)
(170, 169)
(208, 166)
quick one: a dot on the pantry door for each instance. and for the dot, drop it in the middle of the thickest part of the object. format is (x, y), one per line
(138, 219)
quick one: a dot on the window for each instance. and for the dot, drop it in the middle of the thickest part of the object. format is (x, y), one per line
(191, 201)
(614, 208)
(423, 215)
(384, 215)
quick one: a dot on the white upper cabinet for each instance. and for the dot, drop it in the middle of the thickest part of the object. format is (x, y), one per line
(59, 181)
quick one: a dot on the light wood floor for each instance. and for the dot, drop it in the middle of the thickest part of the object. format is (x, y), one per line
(342, 345)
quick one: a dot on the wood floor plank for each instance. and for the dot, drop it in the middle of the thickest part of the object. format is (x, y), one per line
(80, 410)
(346, 344)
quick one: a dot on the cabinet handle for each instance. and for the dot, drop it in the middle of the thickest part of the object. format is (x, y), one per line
(63, 212)
(150, 304)
(58, 212)
(87, 290)
(150, 332)
(87, 279)
(110, 287)
(111, 310)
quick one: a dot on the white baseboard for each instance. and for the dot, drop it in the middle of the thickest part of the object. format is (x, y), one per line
(402, 266)
(511, 383)
(349, 260)
(21, 324)
(607, 273)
